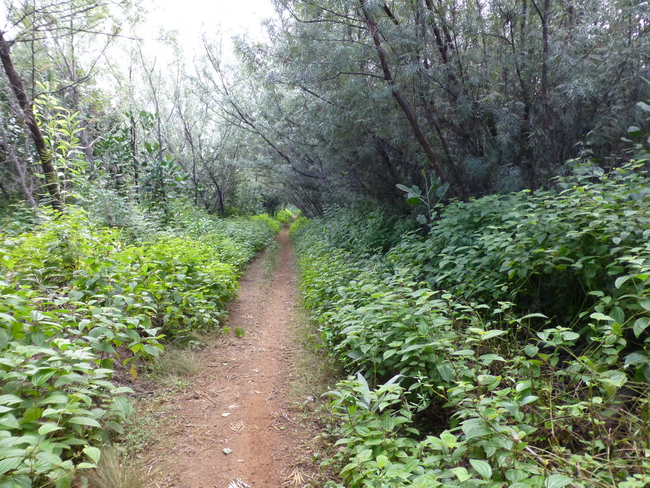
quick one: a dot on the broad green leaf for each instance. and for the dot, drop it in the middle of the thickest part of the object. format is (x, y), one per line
(8, 464)
(621, 280)
(515, 475)
(364, 455)
(557, 481)
(463, 352)
(41, 377)
(448, 438)
(534, 315)
(570, 336)
(396, 470)
(362, 430)
(9, 399)
(637, 358)
(616, 377)
(9, 319)
(645, 303)
(413, 200)
(618, 315)
(388, 353)
(48, 457)
(483, 468)
(87, 421)
(446, 371)
(492, 333)
(640, 325)
(633, 131)
(528, 399)
(55, 400)
(600, 316)
(48, 427)
(64, 481)
(403, 188)
(70, 378)
(442, 189)
(9, 421)
(475, 428)
(531, 350)
(462, 474)
(488, 359)
(93, 453)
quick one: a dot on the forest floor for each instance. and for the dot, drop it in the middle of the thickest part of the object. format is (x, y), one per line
(249, 415)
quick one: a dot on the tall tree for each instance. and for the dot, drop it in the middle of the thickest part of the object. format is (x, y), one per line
(44, 153)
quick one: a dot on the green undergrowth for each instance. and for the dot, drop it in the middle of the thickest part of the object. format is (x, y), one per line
(284, 216)
(508, 347)
(268, 220)
(81, 309)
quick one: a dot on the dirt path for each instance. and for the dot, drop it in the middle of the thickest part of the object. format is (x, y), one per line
(235, 421)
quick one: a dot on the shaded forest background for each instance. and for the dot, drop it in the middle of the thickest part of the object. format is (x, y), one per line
(345, 101)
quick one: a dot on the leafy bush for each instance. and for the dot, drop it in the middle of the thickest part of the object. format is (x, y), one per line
(298, 224)
(364, 229)
(57, 400)
(577, 256)
(544, 251)
(16, 219)
(284, 216)
(270, 221)
(77, 303)
(460, 380)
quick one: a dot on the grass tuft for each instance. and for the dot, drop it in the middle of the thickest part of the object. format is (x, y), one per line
(114, 472)
(180, 362)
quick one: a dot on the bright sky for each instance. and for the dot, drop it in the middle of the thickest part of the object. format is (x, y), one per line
(192, 18)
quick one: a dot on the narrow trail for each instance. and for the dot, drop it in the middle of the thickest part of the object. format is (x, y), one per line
(240, 400)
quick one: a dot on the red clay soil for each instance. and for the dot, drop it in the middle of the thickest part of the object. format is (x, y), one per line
(235, 422)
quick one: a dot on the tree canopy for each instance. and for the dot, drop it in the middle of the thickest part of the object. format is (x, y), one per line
(343, 102)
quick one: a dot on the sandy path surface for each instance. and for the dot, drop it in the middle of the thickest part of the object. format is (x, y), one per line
(234, 421)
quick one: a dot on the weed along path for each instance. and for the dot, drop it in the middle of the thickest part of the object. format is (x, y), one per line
(233, 425)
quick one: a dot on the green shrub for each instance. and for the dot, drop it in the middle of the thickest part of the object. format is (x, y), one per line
(284, 216)
(270, 221)
(78, 302)
(459, 380)
(298, 224)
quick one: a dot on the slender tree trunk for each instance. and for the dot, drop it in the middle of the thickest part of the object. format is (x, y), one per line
(4, 192)
(134, 158)
(51, 181)
(71, 68)
(22, 174)
(544, 89)
(403, 104)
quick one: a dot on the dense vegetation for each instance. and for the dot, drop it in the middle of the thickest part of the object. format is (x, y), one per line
(507, 346)
(345, 101)
(479, 250)
(83, 306)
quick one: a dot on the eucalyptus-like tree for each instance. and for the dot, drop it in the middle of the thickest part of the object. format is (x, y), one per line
(489, 96)
(39, 53)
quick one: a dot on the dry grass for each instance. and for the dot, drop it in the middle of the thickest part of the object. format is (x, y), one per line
(313, 373)
(180, 362)
(114, 472)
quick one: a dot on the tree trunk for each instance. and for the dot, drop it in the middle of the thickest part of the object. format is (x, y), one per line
(403, 104)
(134, 157)
(22, 174)
(51, 181)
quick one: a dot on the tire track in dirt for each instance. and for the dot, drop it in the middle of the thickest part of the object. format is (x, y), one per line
(239, 401)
